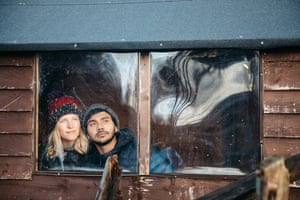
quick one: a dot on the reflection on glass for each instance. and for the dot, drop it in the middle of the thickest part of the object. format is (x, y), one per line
(90, 77)
(205, 105)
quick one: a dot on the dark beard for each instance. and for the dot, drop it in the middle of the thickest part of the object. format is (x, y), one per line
(106, 142)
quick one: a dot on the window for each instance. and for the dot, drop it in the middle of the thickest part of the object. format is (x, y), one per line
(90, 77)
(204, 104)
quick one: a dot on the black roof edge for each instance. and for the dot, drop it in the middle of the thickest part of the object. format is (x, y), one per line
(153, 45)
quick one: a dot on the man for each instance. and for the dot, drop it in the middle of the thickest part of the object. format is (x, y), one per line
(102, 127)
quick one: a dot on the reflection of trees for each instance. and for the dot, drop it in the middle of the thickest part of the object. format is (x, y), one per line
(211, 121)
(86, 74)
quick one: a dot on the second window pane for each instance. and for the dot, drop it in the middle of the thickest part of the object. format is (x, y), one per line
(205, 109)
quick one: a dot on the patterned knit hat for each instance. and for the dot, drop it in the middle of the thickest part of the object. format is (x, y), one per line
(61, 106)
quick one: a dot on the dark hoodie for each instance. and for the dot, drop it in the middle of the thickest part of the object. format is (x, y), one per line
(161, 161)
(125, 148)
(72, 161)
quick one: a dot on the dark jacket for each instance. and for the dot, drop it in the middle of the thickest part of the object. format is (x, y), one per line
(71, 161)
(126, 149)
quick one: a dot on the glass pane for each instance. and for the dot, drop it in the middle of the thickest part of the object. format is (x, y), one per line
(205, 107)
(89, 77)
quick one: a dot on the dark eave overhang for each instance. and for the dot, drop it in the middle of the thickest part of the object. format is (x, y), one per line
(130, 25)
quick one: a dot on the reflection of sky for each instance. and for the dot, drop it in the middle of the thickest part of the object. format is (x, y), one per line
(156, 55)
(127, 64)
(214, 87)
(164, 108)
(232, 80)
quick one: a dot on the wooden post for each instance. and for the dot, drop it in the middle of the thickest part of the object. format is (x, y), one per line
(273, 180)
(144, 114)
(110, 184)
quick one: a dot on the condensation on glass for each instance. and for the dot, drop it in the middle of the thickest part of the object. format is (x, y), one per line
(205, 105)
(91, 77)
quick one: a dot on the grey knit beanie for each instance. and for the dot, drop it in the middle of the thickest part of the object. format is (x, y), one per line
(95, 108)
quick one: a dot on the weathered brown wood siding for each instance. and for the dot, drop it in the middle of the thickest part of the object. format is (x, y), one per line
(281, 136)
(16, 116)
(281, 103)
(281, 99)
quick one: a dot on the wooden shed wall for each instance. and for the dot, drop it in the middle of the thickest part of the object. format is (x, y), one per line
(281, 106)
(16, 116)
(281, 136)
(281, 99)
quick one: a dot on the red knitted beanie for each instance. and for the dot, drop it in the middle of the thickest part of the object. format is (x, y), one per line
(62, 106)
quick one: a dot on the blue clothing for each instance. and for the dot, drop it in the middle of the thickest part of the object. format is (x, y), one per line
(126, 148)
(164, 161)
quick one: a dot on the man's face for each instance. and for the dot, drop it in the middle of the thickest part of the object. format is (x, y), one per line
(100, 127)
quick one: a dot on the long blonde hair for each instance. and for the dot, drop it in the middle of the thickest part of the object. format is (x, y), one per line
(55, 146)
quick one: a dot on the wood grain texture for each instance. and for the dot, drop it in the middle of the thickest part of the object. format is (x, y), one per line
(16, 100)
(16, 77)
(282, 75)
(77, 188)
(281, 55)
(16, 145)
(16, 167)
(81, 188)
(110, 187)
(16, 115)
(282, 102)
(144, 113)
(282, 125)
(16, 59)
(16, 122)
(281, 147)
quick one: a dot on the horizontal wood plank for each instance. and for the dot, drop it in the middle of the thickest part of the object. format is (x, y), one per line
(177, 188)
(74, 187)
(16, 122)
(282, 76)
(16, 145)
(281, 147)
(282, 55)
(16, 100)
(16, 77)
(16, 168)
(294, 194)
(16, 59)
(50, 187)
(81, 188)
(281, 125)
(282, 102)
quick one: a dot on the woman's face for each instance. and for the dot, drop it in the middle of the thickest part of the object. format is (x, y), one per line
(68, 126)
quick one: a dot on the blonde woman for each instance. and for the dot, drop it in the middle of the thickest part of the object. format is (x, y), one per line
(67, 143)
